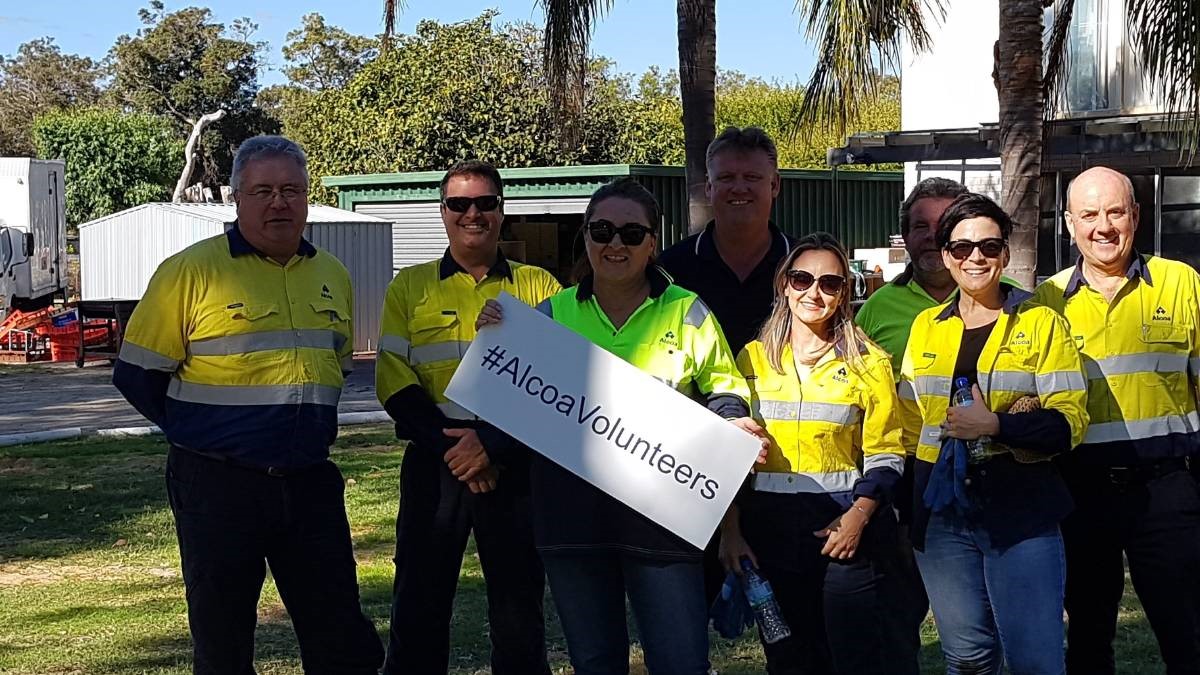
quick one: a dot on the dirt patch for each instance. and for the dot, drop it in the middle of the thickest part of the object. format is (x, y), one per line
(40, 573)
(18, 466)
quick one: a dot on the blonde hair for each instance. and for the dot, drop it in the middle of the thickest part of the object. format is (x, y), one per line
(776, 331)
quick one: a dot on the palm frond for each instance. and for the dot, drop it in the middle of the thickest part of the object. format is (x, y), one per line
(1058, 59)
(569, 25)
(1163, 34)
(858, 42)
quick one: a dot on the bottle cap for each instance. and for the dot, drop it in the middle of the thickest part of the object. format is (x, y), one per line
(962, 383)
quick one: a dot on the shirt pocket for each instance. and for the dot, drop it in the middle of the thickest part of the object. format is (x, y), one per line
(667, 365)
(329, 312)
(256, 312)
(435, 339)
(1166, 350)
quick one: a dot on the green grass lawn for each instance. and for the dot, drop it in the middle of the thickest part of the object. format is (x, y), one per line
(90, 583)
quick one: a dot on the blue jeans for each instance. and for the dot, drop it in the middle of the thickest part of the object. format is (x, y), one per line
(667, 599)
(995, 605)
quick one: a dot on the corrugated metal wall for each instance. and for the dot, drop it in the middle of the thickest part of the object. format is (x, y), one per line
(417, 231)
(119, 253)
(366, 251)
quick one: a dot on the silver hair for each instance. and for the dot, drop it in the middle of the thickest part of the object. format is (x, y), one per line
(260, 147)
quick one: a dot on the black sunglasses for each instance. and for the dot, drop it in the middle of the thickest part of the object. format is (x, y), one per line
(961, 249)
(631, 234)
(484, 203)
(830, 284)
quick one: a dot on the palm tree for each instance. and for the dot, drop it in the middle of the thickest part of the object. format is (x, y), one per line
(1163, 33)
(569, 26)
(391, 9)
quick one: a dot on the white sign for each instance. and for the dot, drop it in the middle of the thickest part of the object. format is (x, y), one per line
(633, 437)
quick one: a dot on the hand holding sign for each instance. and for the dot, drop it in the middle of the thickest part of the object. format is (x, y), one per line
(633, 437)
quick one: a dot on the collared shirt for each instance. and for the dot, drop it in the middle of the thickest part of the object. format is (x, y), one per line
(232, 353)
(1141, 352)
(741, 307)
(887, 316)
(427, 324)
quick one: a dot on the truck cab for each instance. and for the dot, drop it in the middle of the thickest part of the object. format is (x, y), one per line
(33, 233)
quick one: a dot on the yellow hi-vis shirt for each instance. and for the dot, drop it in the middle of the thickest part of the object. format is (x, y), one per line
(829, 430)
(429, 321)
(255, 350)
(1141, 353)
(1029, 353)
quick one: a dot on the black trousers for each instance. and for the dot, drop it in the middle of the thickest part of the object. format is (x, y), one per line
(1156, 524)
(232, 522)
(437, 513)
(845, 616)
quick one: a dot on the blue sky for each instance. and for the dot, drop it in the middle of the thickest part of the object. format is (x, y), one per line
(757, 37)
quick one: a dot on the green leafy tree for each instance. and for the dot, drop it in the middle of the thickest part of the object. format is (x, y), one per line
(36, 80)
(320, 56)
(428, 102)
(115, 160)
(183, 65)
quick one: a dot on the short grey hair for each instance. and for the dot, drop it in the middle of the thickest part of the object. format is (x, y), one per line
(260, 147)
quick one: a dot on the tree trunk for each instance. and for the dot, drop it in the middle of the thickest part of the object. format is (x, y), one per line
(697, 87)
(1019, 91)
(189, 153)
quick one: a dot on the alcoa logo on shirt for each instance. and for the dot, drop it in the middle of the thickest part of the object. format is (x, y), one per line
(842, 376)
(1020, 339)
(669, 339)
(1160, 314)
(325, 292)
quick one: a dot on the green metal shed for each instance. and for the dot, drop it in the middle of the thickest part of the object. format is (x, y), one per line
(544, 207)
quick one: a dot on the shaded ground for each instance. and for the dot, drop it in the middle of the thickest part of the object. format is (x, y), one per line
(61, 396)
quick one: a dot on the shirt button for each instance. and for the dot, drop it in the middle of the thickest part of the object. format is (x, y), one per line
(966, 481)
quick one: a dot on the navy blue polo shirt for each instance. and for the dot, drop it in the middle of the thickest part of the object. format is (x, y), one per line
(741, 307)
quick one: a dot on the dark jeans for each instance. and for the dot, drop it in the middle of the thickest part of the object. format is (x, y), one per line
(230, 521)
(1156, 524)
(667, 599)
(846, 617)
(437, 514)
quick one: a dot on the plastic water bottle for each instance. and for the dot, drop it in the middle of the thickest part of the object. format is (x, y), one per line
(762, 601)
(977, 450)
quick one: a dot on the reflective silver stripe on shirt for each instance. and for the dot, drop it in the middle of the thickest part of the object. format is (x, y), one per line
(931, 435)
(147, 358)
(437, 351)
(696, 314)
(1008, 380)
(259, 394)
(884, 460)
(1132, 430)
(456, 411)
(244, 343)
(936, 385)
(796, 411)
(791, 483)
(394, 344)
(906, 391)
(1133, 364)
(1065, 380)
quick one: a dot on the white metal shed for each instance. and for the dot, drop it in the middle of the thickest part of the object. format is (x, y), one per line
(119, 253)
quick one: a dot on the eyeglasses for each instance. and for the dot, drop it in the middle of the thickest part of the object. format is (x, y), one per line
(829, 284)
(267, 195)
(961, 249)
(631, 234)
(484, 203)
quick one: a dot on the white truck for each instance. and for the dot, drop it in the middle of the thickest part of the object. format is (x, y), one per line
(33, 233)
